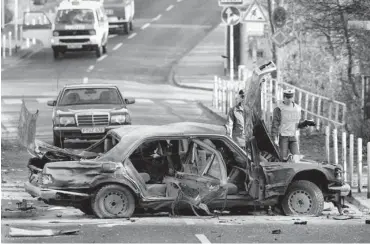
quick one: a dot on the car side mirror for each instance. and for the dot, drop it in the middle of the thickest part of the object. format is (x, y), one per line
(52, 103)
(129, 100)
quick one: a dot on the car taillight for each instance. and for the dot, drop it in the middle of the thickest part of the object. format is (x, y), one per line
(55, 33)
(92, 32)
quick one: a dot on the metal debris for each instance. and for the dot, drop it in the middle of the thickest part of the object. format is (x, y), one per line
(59, 215)
(278, 231)
(367, 221)
(24, 205)
(300, 222)
(342, 217)
(16, 232)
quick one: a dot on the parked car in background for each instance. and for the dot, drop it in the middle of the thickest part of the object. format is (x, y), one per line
(88, 111)
(163, 167)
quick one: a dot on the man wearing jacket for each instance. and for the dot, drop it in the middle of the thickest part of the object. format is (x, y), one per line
(235, 123)
(286, 121)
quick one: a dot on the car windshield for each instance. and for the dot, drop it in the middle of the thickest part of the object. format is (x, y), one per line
(113, 1)
(90, 96)
(75, 16)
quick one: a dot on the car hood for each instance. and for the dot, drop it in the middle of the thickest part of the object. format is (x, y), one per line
(92, 108)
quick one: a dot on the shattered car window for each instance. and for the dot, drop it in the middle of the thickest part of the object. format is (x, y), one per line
(104, 145)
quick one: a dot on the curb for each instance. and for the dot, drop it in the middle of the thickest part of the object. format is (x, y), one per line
(176, 82)
(216, 114)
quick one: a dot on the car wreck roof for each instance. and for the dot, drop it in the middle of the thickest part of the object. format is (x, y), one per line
(131, 134)
(89, 85)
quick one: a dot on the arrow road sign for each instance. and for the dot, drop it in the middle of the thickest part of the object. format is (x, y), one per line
(230, 15)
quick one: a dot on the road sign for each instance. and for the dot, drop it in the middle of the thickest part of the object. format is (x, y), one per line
(230, 15)
(254, 13)
(279, 17)
(224, 3)
(359, 24)
(279, 38)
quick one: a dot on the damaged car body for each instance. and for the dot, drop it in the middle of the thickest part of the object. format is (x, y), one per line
(158, 167)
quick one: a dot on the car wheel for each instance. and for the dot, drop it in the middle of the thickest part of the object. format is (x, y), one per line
(113, 201)
(303, 198)
(85, 207)
(105, 49)
(98, 51)
(131, 26)
(56, 54)
(126, 28)
(58, 141)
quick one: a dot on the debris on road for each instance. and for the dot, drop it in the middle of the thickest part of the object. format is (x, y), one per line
(24, 205)
(17, 232)
(343, 217)
(300, 222)
(278, 231)
(56, 208)
(59, 215)
(367, 221)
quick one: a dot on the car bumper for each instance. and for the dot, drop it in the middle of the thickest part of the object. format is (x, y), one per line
(344, 190)
(47, 194)
(76, 133)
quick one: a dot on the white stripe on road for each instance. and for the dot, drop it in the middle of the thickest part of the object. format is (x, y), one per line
(169, 7)
(117, 46)
(12, 101)
(202, 238)
(102, 57)
(143, 100)
(113, 35)
(132, 35)
(157, 18)
(145, 26)
(179, 1)
(91, 67)
(175, 101)
(44, 100)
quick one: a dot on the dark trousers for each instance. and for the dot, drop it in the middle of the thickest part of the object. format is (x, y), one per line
(286, 144)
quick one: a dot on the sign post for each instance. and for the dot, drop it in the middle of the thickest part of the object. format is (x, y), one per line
(231, 16)
(2, 14)
(16, 24)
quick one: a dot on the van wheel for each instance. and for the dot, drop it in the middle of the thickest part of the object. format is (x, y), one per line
(113, 201)
(126, 27)
(98, 51)
(303, 198)
(104, 49)
(58, 141)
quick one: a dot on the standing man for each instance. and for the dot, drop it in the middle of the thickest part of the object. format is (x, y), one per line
(286, 121)
(235, 123)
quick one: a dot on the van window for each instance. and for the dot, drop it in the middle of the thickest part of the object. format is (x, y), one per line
(75, 16)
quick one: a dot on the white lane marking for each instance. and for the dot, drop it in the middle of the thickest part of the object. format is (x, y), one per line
(169, 7)
(85, 80)
(175, 101)
(117, 46)
(91, 67)
(102, 57)
(44, 100)
(145, 26)
(179, 1)
(143, 100)
(202, 238)
(111, 225)
(112, 35)
(157, 18)
(12, 101)
(132, 35)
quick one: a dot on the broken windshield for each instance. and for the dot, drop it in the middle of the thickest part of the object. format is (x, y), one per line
(75, 16)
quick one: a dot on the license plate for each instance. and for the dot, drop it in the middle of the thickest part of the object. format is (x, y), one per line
(93, 130)
(109, 11)
(74, 46)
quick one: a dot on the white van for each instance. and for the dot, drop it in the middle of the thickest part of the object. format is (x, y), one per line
(80, 26)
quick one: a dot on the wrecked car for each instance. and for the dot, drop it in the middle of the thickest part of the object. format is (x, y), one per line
(146, 167)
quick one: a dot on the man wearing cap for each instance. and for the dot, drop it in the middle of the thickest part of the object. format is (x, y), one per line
(235, 123)
(286, 120)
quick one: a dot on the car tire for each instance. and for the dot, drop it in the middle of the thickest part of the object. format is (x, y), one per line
(113, 201)
(58, 141)
(303, 198)
(55, 54)
(131, 26)
(105, 49)
(85, 207)
(98, 51)
(126, 27)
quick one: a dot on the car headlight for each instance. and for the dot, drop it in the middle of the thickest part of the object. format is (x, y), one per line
(55, 33)
(65, 120)
(92, 32)
(120, 118)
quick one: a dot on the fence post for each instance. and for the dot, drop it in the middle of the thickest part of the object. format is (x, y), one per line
(351, 153)
(359, 164)
(344, 155)
(10, 43)
(319, 113)
(327, 143)
(4, 46)
(215, 98)
(368, 169)
(335, 141)
(224, 96)
(219, 91)
(336, 112)
(306, 106)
